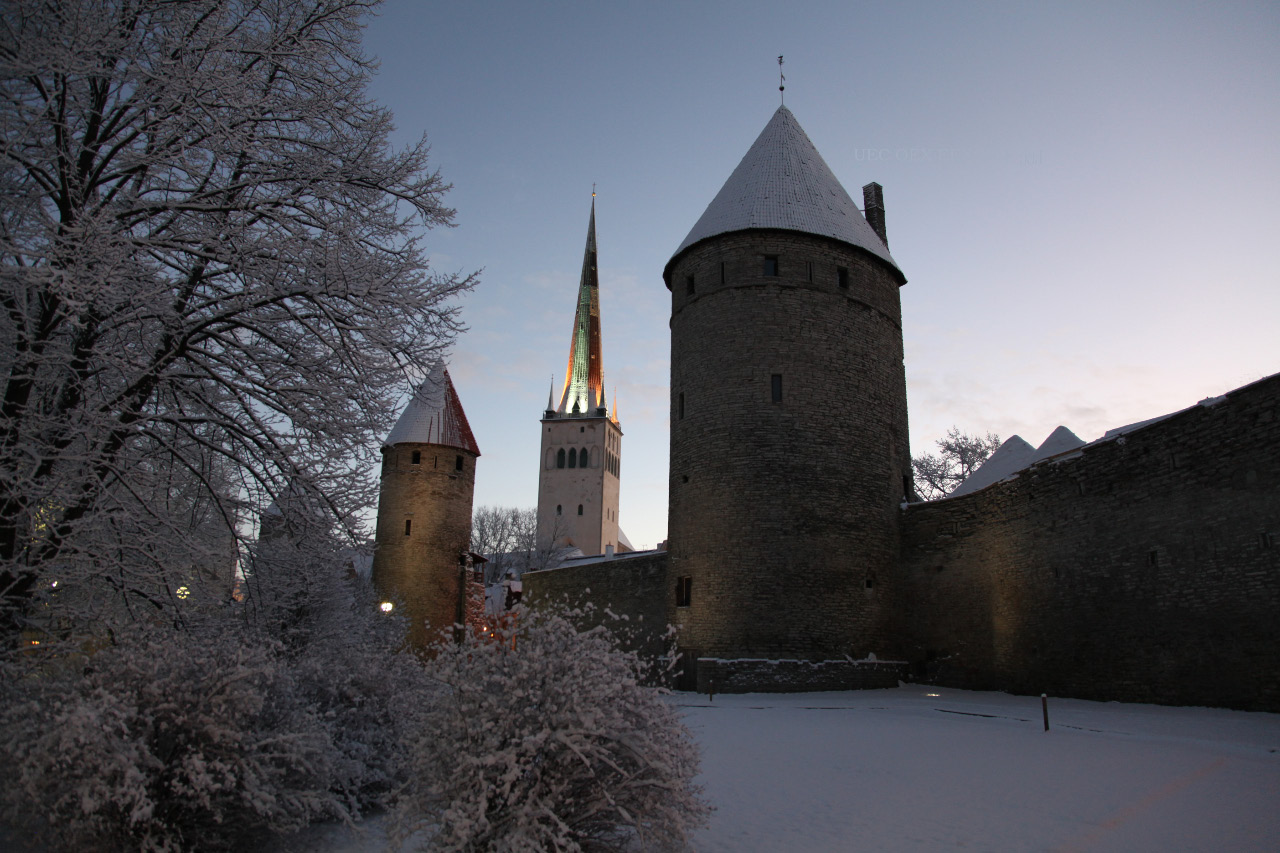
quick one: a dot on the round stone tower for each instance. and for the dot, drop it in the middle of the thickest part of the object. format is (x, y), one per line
(424, 508)
(789, 450)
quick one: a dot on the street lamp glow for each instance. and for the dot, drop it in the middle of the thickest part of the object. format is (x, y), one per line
(386, 607)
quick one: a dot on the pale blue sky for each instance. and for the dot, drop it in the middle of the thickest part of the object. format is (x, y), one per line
(1083, 196)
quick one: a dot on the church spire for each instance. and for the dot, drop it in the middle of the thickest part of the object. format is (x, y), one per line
(584, 378)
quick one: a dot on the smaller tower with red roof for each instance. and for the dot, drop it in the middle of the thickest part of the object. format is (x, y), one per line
(424, 508)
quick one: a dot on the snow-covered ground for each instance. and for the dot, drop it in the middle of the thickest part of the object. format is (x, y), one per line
(920, 768)
(929, 769)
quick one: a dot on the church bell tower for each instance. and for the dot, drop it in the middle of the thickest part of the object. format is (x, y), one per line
(581, 457)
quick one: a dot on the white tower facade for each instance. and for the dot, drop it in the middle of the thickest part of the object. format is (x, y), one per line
(580, 464)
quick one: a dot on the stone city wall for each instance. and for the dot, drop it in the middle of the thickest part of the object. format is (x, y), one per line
(1144, 568)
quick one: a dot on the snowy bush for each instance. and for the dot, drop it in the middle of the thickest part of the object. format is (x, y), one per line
(173, 742)
(546, 740)
(215, 735)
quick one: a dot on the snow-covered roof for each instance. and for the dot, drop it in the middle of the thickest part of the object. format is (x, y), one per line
(784, 183)
(1010, 457)
(434, 415)
(1061, 440)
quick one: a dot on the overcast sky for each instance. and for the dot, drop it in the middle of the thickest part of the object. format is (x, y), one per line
(1083, 196)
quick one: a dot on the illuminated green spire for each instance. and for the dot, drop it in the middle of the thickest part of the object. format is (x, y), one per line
(584, 378)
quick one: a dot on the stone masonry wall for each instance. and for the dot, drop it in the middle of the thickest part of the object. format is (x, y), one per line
(1144, 568)
(636, 586)
(784, 514)
(421, 568)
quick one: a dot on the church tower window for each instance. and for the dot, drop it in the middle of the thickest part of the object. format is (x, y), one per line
(560, 458)
(775, 382)
(573, 457)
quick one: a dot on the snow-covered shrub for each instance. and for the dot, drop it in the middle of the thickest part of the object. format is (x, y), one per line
(546, 740)
(370, 694)
(172, 742)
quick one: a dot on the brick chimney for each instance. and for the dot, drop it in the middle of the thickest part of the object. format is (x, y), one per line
(873, 209)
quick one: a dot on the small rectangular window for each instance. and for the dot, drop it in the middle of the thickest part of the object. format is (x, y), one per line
(842, 277)
(457, 465)
(722, 272)
(417, 457)
(689, 285)
(775, 382)
(809, 269)
(771, 265)
(408, 526)
(684, 591)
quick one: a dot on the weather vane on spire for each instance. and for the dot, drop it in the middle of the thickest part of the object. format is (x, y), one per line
(782, 82)
(593, 189)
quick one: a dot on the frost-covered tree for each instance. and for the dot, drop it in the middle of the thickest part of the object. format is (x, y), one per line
(545, 739)
(217, 734)
(211, 286)
(959, 455)
(505, 536)
(508, 537)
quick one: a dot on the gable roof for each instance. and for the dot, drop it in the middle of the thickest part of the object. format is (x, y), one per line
(784, 183)
(434, 415)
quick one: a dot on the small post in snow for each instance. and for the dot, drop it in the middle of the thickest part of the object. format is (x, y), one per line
(711, 690)
(1044, 706)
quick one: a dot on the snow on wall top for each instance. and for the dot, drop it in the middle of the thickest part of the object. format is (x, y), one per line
(434, 415)
(784, 183)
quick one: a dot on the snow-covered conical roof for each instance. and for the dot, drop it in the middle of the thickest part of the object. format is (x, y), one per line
(434, 415)
(1061, 440)
(1009, 458)
(784, 183)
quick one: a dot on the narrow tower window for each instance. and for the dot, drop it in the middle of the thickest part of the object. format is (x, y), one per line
(775, 382)
(573, 457)
(809, 269)
(417, 457)
(689, 285)
(842, 277)
(408, 526)
(560, 458)
(722, 272)
(559, 509)
(579, 509)
(771, 265)
(684, 591)
(457, 463)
